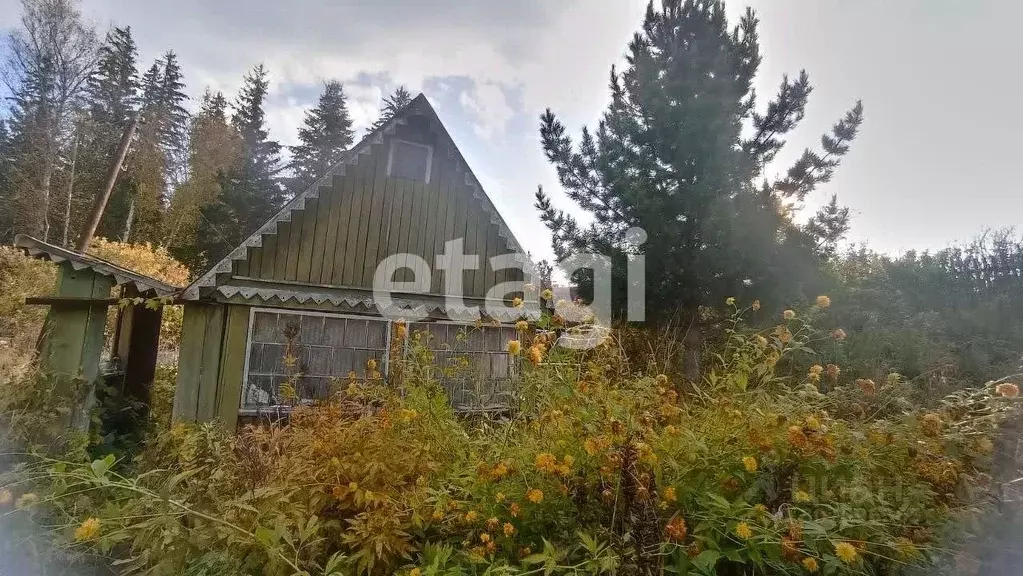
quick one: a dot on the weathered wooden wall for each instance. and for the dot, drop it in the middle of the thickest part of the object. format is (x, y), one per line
(211, 362)
(365, 216)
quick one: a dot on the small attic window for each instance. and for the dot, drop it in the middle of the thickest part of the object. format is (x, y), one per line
(410, 160)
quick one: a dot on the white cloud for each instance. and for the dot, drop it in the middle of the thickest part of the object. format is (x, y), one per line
(488, 102)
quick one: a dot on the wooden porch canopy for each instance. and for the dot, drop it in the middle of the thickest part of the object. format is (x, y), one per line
(72, 340)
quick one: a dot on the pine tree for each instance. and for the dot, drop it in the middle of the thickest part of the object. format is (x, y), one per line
(324, 137)
(670, 157)
(392, 104)
(252, 193)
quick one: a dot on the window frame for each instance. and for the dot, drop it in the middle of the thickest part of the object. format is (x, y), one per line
(242, 409)
(429, 157)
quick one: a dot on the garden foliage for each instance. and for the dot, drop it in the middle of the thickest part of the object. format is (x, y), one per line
(596, 468)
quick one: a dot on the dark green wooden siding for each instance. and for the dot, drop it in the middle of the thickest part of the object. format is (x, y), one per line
(363, 217)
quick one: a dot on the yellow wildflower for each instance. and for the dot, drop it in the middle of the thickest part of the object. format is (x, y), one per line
(756, 305)
(508, 529)
(730, 301)
(846, 551)
(815, 372)
(499, 497)
(546, 462)
(437, 515)
(484, 537)
(371, 365)
(761, 341)
(514, 347)
(522, 325)
(471, 516)
(534, 495)
(750, 463)
(812, 423)
(1007, 390)
(823, 301)
(415, 572)
(87, 531)
(535, 355)
(515, 508)
(493, 523)
(742, 530)
(517, 302)
(669, 494)
(788, 314)
(810, 564)
(5, 497)
(760, 509)
(838, 334)
(547, 294)
(801, 496)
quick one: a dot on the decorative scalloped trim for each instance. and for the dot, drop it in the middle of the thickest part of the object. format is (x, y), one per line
(351, 158)
(465, 314)
(120, 276)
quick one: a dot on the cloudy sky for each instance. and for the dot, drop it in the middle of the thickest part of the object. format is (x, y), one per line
(935, 163)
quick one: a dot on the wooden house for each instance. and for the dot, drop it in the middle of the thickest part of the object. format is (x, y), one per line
(303, 282)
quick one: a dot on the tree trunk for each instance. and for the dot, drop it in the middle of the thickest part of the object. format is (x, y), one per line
(693, 346)
(129, 221)
(70, 192)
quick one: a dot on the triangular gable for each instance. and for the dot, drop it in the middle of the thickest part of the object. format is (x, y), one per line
(419, 106)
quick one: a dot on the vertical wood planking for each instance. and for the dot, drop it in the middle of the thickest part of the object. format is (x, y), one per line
(367, 178)
(387, 210)
(294, 244)
(255, 261)
(344, 224)
(241, 267)
(443, 212)
(404, 232)
(307, 240)
(394, 225)
(415, 229)
(471, 248)
(352, 247)
(482, 223)
(232, 365)
(459, 222)
(330, 241)
(209, 376)
(266, 263)
(376, 219)
(319, 235)
(281, 254)
(493, 247)
(430, 216)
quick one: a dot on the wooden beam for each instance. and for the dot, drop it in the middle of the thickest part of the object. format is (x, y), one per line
(69, 301)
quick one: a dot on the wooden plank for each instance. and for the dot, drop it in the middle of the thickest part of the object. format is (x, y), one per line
(269, 256)
(70, 301)
(319, 235)
(385, 216)
(344, 224)
(307, 241)
(193, 336)
(375, 220)
(255, 261)
(241, 268)
(442, 213)
(362, 240)
(494, 277)
(461, 222)
(482, 225)
(395, 231)
(471, 247)
(294, 245)
(405, 230)
(430, 222)
(206, 410)
(352, 247)
(281, 255)
(415, 226)
(333, 224)
(232, 365)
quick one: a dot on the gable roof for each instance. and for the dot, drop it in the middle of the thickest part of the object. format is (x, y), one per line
(418, 105)
(79, 261)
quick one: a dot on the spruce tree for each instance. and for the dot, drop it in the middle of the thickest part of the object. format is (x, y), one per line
(680, 152)
(251, 193)
(399, 99)
(326, 134)
(112, 99)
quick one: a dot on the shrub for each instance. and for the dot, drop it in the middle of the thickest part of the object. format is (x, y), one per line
(594, 469)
